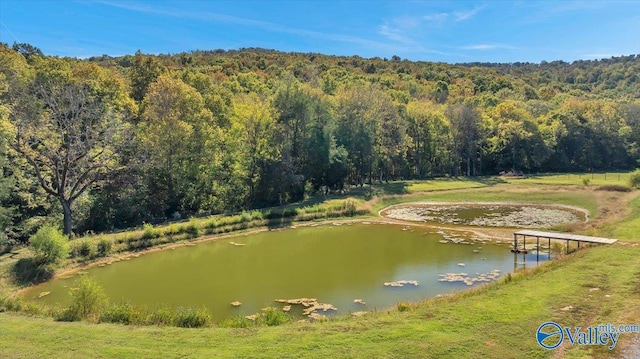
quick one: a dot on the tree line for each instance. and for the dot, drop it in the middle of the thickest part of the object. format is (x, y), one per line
(111, 142)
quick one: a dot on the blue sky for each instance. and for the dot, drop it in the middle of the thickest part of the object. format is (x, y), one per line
(447, 31)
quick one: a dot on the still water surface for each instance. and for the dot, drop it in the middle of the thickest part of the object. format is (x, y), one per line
(333, 263)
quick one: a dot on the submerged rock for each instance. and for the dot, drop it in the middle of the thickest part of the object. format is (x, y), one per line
(401, 283)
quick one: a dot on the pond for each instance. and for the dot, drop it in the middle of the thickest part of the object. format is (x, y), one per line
(486, 214)
(334, 263)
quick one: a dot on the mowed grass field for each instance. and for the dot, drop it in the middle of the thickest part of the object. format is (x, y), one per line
(594, 286)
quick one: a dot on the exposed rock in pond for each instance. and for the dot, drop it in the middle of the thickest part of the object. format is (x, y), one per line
(443, 241)
(306, 302)
(468, 280)
(237, 244)
(318, 307)
(43, 294)
(359, 301)
(311, 305)
(401, 283)
(316, 316)
(236, 303)
(461, 264)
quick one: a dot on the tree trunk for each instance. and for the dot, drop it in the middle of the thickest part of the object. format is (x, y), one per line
(66, 208)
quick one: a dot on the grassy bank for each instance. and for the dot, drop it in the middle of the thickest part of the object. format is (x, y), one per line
(497, 320)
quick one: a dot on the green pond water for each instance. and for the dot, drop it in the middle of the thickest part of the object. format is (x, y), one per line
(333, 263)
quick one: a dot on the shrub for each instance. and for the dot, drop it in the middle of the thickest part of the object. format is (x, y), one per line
(87, 301)
(349, 207)
(82, 248)
(191, 318)
(586, 181)
(103, 247)
(49, 245)
(404, 307)
(149, 232)
(290, 212)
(135, 243)
(256, 215)
(245, 216)
(192, 228)
(211, 224)
(634, 179)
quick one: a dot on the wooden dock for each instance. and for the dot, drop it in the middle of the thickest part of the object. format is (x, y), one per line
(556, 236)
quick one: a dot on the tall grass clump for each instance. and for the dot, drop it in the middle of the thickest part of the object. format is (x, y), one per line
(123, 313)
(272, 316)
(87, 301)
(191, 318)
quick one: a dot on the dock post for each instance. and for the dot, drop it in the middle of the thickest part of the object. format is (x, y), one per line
(537, 249)
(549, 249)
(567, 246)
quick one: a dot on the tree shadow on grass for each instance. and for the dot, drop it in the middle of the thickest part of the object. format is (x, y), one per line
(28, 271)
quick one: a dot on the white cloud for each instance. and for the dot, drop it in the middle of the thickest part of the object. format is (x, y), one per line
(482, 47)
(466, 15)
(437, 17)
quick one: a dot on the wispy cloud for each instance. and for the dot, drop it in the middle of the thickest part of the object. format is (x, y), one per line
(437, 17)
(394, 34)
(468, 14)
(456, 16)
(482, 47)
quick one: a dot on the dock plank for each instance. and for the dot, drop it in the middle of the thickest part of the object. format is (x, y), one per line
(566, 236)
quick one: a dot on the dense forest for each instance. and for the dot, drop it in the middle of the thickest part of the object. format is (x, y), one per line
(111, 142)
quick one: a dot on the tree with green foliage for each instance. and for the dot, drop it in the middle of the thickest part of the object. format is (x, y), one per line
(67, 129)
(465, 127)
(174, 132)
